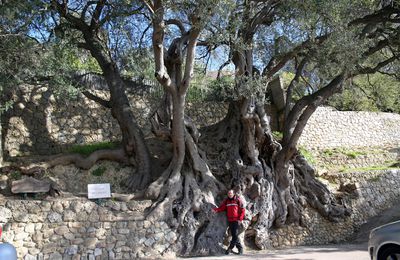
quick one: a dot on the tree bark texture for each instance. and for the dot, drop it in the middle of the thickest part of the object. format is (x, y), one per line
(184, 193)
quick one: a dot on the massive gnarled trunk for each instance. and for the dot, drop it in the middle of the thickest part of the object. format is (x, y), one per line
(184, 193)
(273, 177)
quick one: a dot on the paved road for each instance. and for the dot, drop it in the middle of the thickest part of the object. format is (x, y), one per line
(329, 252)
(356, 251)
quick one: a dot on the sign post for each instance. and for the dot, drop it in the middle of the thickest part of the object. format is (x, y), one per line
(99, 191)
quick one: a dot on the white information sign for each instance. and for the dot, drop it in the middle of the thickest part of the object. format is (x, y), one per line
(99, 191)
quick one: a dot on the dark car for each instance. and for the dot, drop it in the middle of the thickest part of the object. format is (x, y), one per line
(384, 242)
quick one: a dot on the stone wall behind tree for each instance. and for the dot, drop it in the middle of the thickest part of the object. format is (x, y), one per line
(328, 128)
(371, 193)
(40, 123)
(76, 228)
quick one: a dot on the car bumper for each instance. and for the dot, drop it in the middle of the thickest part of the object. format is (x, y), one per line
(371, 253)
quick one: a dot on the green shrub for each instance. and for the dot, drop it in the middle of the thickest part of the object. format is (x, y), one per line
(328, 152)
(277, 135)
(87, 149)
(307, 155)
(16, 175)
(99, 171)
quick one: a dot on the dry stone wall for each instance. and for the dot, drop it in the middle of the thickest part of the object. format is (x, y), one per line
(75, 228)
(40, 123)
(81, 229)
(373, 193)
(328, 128)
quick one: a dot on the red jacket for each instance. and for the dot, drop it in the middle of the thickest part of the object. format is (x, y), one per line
(234, 209)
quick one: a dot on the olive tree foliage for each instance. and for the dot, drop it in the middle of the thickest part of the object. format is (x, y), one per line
(32, 55)
(372, 92)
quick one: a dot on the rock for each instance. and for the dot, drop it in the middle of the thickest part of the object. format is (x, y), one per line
(72, 250)
(30, 185)
(170, 237)
(61, 230)
(149, 242)
(5, 214)
(55, 256)
(98, 251)
(90, 243)
(29, 257)
(69, 215)
(58, 207)
(54, 217)
(29, 228)
(33, 251)
(348, 187)
(3, 182)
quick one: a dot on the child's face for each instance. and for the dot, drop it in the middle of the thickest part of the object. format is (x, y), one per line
(230, 194)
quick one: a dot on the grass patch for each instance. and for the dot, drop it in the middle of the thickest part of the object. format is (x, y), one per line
(16, 175)
(375, 179)
(353, 154)
(99, 171)
(87, 149)
(277, 135)
(338, 151)
(307, 155)
(367, 169)
(328, 152)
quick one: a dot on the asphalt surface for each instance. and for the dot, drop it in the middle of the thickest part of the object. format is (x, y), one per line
(355, 250)
(328, 252)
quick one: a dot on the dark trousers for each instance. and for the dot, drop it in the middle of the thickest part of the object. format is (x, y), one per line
(233, 228)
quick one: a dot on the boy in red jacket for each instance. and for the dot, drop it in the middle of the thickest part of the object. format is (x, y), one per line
(235, 213)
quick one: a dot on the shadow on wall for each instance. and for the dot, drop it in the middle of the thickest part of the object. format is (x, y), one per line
(31, 131)
(41, 124)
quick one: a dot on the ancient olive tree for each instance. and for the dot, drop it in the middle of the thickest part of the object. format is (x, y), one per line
(89, 20)
(322, 41)
(185, 191)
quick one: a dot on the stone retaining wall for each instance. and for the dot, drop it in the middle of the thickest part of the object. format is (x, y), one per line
(76, 228)
(41, 124)
(328, 128)
(375, 192)
(81, 229)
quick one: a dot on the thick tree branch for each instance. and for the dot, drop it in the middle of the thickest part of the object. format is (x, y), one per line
(158, 45)
(298, 108)
(95, 21)
(382, 15)
(103, 102)
(76, 22)
(178, 23)
(278, 62)
(226, 63)
(292, 84)
(369, 70)
(190, 57)
(88, 4)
